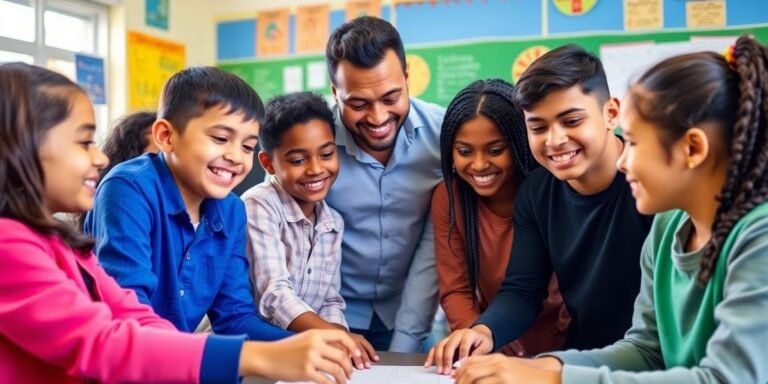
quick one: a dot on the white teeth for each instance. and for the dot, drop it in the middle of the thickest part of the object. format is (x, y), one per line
(315, 185)
(487, 179)
(90, 183)
(565, 156)
(222, 173)
(379, 129)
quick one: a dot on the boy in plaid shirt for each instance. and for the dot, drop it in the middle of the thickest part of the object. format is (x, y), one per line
(294, 237)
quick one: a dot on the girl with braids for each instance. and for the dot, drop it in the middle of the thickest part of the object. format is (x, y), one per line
(62, 318)
(696, 129)
(485, 157)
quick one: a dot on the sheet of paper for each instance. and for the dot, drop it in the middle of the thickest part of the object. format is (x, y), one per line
(317, 75)
(293, 79)
(392, 374)
(623, 63)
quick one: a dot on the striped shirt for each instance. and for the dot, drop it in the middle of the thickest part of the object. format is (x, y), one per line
(294, 266)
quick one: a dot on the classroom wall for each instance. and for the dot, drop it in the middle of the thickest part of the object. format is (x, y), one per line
(191, 23)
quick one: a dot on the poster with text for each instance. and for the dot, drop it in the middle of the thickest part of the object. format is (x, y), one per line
(359, 8)
(151, 62)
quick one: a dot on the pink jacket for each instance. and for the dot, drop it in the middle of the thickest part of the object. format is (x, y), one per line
(51, 331)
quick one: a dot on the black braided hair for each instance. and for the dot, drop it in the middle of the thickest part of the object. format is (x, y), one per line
(493, 99)
(688, 90)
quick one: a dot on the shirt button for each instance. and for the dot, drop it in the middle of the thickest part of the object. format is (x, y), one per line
(309, 271)
(189, 256)
(181, 292)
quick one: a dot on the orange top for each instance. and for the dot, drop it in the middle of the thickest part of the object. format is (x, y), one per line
(495, 239)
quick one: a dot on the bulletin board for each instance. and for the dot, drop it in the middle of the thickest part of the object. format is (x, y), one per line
(151, 62)
(437, 73)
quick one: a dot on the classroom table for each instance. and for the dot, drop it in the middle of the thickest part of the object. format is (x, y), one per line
(387, 358)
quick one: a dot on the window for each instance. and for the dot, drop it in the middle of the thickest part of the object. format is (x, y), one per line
(49, 32)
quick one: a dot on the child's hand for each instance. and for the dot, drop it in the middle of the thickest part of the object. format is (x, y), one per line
(312, 355)
(500, 369)
(463, 342)
(368, 353)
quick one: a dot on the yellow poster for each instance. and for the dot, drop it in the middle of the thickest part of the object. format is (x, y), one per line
(312, 28)
(575, 7)
(702, 14)
(359, 8)
(643, 14)
(525, 58)
(272, 38)
(151, 62)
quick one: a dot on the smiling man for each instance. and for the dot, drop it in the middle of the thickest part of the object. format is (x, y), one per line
(574, 216)
(390, 163)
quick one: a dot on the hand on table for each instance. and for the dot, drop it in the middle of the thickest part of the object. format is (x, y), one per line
(467, 342)
(500, 369)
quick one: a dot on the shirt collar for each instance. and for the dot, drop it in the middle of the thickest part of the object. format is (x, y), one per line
(210, 212)
(293, 214)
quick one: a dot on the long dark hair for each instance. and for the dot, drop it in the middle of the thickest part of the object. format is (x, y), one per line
(688, 90)
(493, 99)
(128, 138)
(32, 101)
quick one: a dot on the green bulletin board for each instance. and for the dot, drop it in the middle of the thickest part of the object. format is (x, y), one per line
(453, 66)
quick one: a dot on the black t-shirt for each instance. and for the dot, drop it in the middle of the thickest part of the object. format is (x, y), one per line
(592, 243)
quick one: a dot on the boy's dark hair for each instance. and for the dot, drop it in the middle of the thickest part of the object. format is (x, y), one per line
(33, 100)
(284, 112)
(363, 42)
(689, 90)
(192, 91)
(128, 138)
(493, 99)
(562, 68)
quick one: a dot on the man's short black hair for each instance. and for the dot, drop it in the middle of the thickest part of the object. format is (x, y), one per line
(192, 91)
(562, 68)
(363, 42)
(286, 111)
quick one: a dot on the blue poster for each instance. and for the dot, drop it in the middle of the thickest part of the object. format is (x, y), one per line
(90, 75)
(157, 13)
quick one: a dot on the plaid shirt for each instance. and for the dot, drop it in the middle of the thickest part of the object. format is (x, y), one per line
(294, 267)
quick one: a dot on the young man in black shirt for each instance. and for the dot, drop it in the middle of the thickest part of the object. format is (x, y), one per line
(575, 216)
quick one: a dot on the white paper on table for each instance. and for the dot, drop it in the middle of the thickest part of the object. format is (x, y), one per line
(293, 79)
(394, 374)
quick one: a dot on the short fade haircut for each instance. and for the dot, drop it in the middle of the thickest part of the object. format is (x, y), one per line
(562, 68)
(363, 41)
(192, 91)
(286, 111)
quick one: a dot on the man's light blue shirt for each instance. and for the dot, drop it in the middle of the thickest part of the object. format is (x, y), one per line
(388, 258)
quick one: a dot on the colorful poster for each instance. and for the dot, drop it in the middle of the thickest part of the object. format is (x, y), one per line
(273, 33)
(643, 15)
(525, 58)
(359, 8)
(574, 7)
(312, 28)
(704, 14)
(419, 74)
(89, 72)
(156, 14)
(151, 62)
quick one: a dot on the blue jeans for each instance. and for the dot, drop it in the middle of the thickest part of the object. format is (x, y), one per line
(377, 334)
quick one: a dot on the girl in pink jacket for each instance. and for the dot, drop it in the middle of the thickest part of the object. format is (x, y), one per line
(62, 319)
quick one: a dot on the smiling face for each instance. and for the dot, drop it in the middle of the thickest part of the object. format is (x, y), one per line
(211, 156)
(71, 161)
(482, 158)
(305, 163)
(657, 175)
(373, 102)
(569, 131)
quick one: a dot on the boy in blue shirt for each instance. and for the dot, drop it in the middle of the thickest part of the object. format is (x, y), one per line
(294, 237)
(168, 226)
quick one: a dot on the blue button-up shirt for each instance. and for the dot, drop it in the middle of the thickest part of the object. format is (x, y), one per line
(146, 241)
(388, 259)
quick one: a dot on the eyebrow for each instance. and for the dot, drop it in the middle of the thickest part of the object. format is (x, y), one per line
(305, 151)
(87, 127)
(499, 141)
(357, 98)
(230, 130)
(559, 115)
